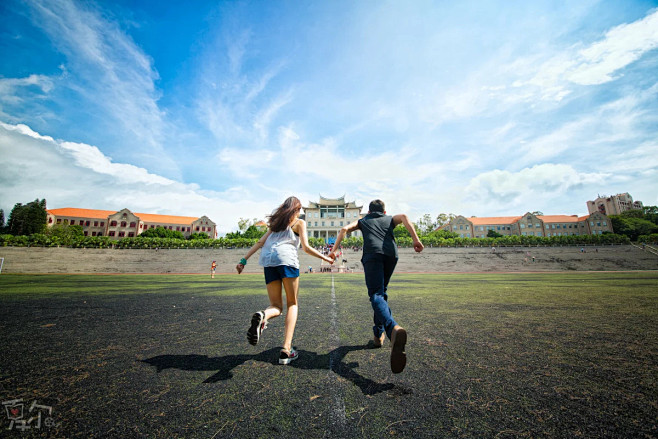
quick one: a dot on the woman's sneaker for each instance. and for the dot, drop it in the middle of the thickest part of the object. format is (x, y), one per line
(286, 357)
(258, 323)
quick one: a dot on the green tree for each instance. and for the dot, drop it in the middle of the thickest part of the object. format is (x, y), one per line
(444, 218)
(401, 232)
(253, 232)
(244, 224)
(161, 232)
(65, 234)
(2, 221)
(425, 224)
(28, 219)
(651, 213)
(198, 235)
(632, 226)
(493, 234)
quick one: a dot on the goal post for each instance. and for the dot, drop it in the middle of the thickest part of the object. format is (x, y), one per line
(2, 261)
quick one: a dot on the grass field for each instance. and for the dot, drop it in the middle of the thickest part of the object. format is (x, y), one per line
(514, 355)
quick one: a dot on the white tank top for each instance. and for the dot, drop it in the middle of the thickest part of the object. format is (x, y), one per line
(280, 248)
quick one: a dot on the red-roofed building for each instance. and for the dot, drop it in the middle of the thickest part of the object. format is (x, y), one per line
(125, 223)
(530, 225)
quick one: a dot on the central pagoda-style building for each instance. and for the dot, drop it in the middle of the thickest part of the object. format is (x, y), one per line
(325, 218)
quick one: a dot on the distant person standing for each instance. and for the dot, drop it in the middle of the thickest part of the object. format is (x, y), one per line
(380, 255)
(213, 268)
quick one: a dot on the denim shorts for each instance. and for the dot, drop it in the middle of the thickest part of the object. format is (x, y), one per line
(279, 272)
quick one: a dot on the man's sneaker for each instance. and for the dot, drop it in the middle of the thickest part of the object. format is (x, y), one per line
(398, 355)
(286, 357)
(378, 342)
(258, 323)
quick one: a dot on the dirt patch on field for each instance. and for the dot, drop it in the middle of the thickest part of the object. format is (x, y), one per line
(512, 259)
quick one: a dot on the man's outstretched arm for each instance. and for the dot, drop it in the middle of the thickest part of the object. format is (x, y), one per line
(404, 219)
(343, 232)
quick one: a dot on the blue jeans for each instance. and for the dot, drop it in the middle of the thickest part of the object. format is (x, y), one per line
(378, 269)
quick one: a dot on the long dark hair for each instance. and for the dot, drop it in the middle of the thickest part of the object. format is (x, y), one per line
(284, 214)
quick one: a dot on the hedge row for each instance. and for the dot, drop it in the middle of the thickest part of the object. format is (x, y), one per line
(41, 240)
(648, 239)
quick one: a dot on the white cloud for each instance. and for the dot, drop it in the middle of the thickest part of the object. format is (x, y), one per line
(9, 86)
(621, 46)
(241, 106)
(109, 70)
(524, 187)
(591, 65)
(70, 174)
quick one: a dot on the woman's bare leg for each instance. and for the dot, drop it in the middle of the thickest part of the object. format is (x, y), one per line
(276, 300)
(291, 285)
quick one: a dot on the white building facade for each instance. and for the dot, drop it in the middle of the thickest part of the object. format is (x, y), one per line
(326, 217)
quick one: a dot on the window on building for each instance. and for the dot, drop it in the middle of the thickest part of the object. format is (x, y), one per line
(111, 233)
(315, 224)
(85, 232)
(523, 226)
(171, 228)
(316, 214)
(95, 223)
(598, 224)
(123, 224)
(591, 223)
(87, 223)
(341, 224)
(605, 223)
(72, 222)
(122, 234)
(93, 233)
(131, 234)
(461, 227)
(323, 223)
(133, 225)
(103, 224)
(197, 228)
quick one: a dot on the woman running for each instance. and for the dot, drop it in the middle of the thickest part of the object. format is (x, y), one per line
(281, 266)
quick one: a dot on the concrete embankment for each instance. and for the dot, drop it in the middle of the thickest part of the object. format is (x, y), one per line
(471, 259)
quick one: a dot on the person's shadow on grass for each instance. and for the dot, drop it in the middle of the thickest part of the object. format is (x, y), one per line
(333, 360)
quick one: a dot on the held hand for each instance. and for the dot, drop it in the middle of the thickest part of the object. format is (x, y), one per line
(418, 246)
(239, 267)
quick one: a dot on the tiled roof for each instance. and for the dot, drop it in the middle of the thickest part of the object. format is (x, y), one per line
(491, 220)
(168, 219)
(74, 212)
(559, 218)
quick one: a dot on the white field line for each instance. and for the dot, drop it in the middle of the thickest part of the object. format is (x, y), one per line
(338, 420)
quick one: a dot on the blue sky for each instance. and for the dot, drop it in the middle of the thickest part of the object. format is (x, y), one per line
(484, 108)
